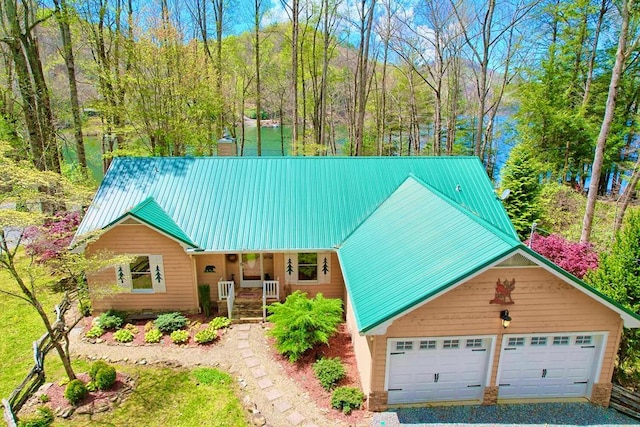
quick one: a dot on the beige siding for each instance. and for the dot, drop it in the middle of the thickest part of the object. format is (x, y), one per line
(362, 349)
(335, 289)
(211, 279)
(542, 304)
(178, 269)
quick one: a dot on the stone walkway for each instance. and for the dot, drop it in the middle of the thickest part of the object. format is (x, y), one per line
(267, 392)
(273, 394)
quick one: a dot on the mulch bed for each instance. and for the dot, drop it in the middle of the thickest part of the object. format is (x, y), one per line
(197, 322)
(302, 373)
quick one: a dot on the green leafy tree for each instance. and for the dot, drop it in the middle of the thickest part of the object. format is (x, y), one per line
(618, 277)
(521, 176)
(301, 322)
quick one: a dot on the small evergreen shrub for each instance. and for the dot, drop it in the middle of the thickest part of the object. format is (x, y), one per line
(95, 367)
(132, 328)
(329, 372)
(153, 336)
(170, 322)
(204, 297)
(105, 378)
(95, 332)
(110, 320)
(85, 308)
(347, 399)
(149, 326)
(44, 418)
(219, 322)
(180, 337)
(206, 336)
(75, 392)
(44, 398)
(300, 322)
(123, 335)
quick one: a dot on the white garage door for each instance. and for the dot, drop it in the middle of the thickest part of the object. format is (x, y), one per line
(554, 365)
(437, 369)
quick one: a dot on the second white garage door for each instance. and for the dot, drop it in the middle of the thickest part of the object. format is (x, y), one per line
(437, 369)
(548, 365)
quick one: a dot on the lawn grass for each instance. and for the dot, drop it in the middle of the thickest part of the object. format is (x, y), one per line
(21, 326)
(166, 397)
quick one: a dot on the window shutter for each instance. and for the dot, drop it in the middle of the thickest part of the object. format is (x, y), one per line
(157, 273)
(290, 268)
(324, 267)
(123, 276)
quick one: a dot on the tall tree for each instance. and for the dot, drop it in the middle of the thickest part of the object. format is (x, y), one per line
(63, 16)
(623, 52)
(19, 21)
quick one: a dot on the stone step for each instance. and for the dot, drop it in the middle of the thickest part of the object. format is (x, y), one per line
(247, 320)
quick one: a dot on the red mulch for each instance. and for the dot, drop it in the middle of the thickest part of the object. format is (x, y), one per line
(55, 393)
(302, 372)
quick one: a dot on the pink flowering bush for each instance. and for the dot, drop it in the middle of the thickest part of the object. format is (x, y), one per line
(51, 239)
(576, 258)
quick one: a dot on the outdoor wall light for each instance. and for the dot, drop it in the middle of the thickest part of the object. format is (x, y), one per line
(506, 319)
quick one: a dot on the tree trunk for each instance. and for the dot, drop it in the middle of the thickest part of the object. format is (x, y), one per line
(62, 15)
(258, 94)
(616, 74)
(627, 195)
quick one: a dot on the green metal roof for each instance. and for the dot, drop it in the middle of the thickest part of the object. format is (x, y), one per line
(149, 212)
(416, 244)
(286, 203)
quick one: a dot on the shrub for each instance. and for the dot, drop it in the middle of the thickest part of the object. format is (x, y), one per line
(300, 322)
(75, 392)
(204, 297)
(105, 378)
(206, 336)
(110, 320)
(44, 398)
(180, 336)
(347, 399)
(219, 322)
(153, 336)
(170, 322)
(149, 326)
(85, 308)
(95, 367)
(123, 335)
(329, 372)
(132, 328)
(577, 258)
(44, 418)
(95, 332)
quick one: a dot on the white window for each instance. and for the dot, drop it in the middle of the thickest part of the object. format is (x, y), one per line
(451, 344)
(404, 345)
(474, 343)
(561, 340)
(538, 340)
(145, 274)
(515, 341)
(307, 266)
(583, 339)
(427, 345)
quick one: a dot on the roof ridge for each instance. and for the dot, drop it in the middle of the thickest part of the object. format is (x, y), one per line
(483, 222)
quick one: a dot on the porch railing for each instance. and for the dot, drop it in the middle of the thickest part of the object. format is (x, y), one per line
(224, 286)
(270, 290)
(226, 290)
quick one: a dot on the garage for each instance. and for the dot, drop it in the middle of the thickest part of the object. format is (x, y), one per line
(437, 369)
(549, 365)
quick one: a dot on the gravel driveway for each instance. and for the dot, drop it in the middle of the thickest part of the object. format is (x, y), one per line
(533, 414)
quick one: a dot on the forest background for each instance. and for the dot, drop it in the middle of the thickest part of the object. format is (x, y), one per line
(84, 81)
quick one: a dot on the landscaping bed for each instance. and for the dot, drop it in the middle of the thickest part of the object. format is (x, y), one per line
(302, 373)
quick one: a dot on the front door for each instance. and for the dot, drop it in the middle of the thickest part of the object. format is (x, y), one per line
(251, 270)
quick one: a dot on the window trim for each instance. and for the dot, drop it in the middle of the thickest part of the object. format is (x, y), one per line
(124, 277)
